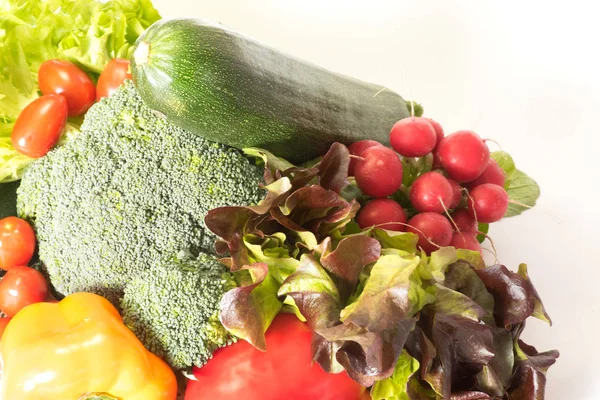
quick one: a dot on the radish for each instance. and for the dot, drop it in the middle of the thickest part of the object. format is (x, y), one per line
(413, 137)
(431, 192)
(431, 227)
(456, 193)
(466, 240)
(491, 174)
(464, 155)
(464, 221)
(439, 131)
(437, 163)
(488, 202)
(379, 172)
(356, 149)
(378, 212)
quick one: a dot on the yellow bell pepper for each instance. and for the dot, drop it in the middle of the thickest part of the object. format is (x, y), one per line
(77, 347)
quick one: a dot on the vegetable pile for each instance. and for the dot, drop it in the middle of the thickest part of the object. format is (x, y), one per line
(168, 233)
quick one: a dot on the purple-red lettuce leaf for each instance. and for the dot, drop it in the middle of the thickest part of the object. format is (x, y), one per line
(305, 212)
(368, 356)
(315, 209)
(314, 293)
(539, 311)
(229, 224)
(470, 395)
(333, 168)
(529, 378)
(248, 310)
(347, 261)
(463, 343)
(393, 292)
(515, 296)
(495, 377)
(420, 347)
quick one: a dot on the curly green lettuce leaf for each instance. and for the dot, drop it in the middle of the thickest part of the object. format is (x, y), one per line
(396, 386)
(86, 32)
(393, 292)
(248, 310)
(522, 190)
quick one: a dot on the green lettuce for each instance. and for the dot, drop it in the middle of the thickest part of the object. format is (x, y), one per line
(396, 386)
(86, 32)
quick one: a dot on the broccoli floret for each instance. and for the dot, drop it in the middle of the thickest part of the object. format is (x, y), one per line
(127, 195)
(175, 312)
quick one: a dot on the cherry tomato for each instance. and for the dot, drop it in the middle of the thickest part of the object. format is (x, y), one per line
(284, 371)
(40, 125)
(113, 76)
(65, 78)
(20, 287)
(17, 242)
(3, 322)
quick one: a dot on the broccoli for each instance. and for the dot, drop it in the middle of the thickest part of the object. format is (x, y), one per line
(127, 195)
(175, 312)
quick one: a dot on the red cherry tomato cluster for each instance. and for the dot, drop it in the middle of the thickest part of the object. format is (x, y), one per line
(67, 91)
(21, 285)
(464, 187)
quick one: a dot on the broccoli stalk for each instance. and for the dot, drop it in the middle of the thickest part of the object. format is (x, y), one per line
(129, 195)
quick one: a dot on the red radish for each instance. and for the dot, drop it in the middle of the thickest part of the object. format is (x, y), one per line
(379, 172)
(488, 202)
(431, 192)
(439, 131)
(464, 155)
(356, 149)
(466, 240)
(413, 137)
(491, 174)
(381, 211)
(432, 227)
(464, 221)
(456, 193)
(436, 164)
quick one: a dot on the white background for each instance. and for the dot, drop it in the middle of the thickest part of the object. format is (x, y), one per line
(523, 73)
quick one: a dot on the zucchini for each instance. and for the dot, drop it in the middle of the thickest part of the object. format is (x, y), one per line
(231, 89)
(8, 199)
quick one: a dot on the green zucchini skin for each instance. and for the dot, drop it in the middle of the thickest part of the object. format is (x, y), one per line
(232, 89)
